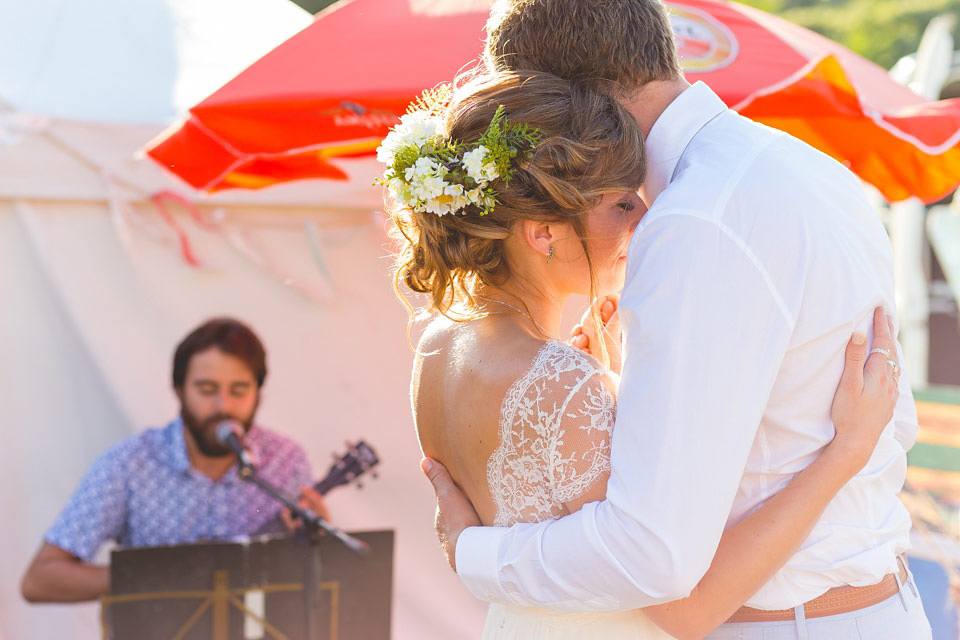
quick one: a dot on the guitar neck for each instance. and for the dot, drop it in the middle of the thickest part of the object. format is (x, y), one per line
(325, 485)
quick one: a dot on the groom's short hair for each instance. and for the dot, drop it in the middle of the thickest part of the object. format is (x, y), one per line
(612, 45)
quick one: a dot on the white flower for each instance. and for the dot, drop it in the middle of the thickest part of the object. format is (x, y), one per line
(435, 206)
(423, 166)
(459, 198)
(426, 174)
(416, 128)
(398, 189)
(428, 187)
(473, 162)
(446, 202)
(425, 183)
(482, 172)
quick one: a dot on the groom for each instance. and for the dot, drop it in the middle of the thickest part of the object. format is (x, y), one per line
(757, 259)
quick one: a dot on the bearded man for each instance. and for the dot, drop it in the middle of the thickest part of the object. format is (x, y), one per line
(175, 484)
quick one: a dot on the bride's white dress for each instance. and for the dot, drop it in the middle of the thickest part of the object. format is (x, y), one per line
(555, 425)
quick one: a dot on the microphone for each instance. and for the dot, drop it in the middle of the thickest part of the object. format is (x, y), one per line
(229, 433)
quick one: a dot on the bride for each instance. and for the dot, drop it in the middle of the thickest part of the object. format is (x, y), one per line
(511, 193)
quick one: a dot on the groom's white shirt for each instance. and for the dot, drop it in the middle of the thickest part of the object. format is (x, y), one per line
(758, 259)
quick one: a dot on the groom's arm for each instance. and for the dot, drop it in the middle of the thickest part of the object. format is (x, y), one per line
(705, 335)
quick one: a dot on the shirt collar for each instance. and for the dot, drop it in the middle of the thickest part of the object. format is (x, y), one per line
(176, 446)
(672, 132)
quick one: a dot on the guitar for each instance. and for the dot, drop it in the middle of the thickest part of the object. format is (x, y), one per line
(358, 460)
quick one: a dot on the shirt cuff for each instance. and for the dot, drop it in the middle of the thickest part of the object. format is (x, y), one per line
(478, 564)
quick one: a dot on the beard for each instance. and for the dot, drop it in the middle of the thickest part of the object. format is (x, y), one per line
(204, 430)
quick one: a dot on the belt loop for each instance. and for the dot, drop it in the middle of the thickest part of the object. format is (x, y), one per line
(902, 562)
(903, 598)
(800, 616)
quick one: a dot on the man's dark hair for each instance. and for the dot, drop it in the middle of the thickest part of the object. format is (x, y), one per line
(229, 336)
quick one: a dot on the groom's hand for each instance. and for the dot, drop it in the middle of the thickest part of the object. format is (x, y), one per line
(454, 510)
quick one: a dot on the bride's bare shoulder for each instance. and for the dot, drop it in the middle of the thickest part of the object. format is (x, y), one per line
(487, 349)
(437, 335)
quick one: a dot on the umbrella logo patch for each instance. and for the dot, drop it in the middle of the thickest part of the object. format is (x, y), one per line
(354, 114)
(703, 43)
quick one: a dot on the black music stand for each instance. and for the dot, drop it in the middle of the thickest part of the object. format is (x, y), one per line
(267, 588)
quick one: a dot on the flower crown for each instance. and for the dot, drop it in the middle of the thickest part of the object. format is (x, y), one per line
(432, 174)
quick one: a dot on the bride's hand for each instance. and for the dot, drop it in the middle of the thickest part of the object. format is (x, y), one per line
(868, 391)
(584, 335)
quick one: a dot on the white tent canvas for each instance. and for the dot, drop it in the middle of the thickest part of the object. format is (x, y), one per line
(98, 292)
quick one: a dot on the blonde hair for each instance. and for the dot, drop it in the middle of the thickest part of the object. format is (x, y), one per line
(589, 146)
(613, 45)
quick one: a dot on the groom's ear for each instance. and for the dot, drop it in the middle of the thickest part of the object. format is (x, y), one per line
(540, 236)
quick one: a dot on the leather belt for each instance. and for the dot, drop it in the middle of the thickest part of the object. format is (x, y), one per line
(834, 602)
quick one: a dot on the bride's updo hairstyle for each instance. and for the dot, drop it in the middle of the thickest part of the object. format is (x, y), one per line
(588, 145)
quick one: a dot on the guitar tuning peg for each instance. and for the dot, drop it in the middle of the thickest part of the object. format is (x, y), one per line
(359, 485)
(375, 475)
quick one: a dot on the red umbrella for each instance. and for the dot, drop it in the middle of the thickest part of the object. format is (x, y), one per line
(335, 88)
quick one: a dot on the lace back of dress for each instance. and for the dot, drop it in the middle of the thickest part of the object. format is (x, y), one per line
(555, 424)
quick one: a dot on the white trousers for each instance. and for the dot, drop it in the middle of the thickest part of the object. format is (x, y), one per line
(899, 617)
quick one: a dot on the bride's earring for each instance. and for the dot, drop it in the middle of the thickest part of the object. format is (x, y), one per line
(550, 256)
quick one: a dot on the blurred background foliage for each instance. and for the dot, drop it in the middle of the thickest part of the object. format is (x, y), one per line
(880, 30)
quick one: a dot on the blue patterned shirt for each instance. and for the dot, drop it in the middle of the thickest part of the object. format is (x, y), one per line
(143, 492)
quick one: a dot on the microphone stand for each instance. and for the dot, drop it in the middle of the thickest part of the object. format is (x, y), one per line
(310, 519)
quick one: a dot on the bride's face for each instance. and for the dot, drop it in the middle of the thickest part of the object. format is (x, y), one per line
(609, 228)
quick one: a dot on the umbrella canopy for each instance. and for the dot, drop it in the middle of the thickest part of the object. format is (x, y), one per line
(335, 88)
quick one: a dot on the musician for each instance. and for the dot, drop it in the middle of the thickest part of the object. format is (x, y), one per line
(176, 484)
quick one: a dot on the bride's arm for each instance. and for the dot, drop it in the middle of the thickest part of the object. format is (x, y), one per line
(862, 407)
